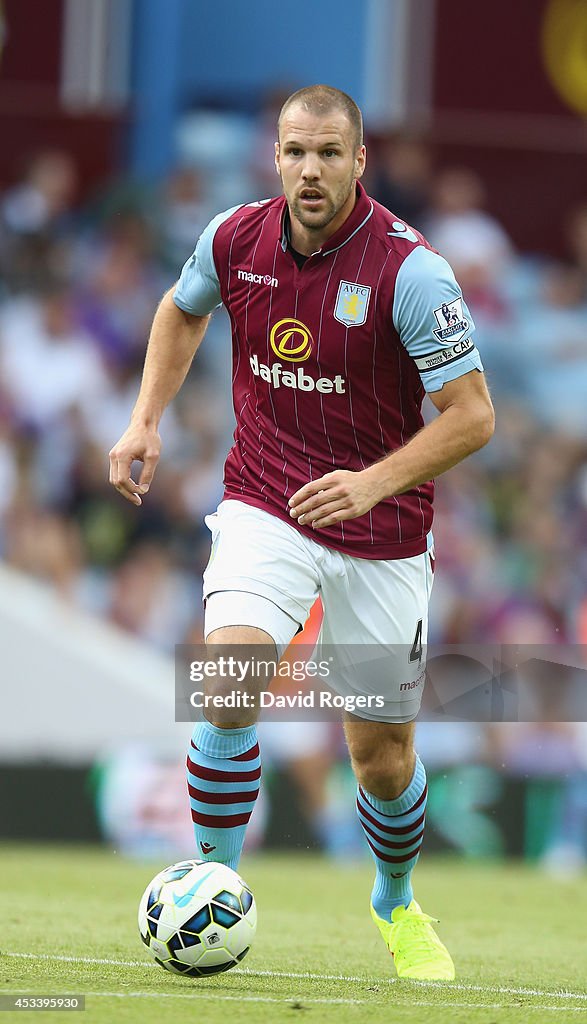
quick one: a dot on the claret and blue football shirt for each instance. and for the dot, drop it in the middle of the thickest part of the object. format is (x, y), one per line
(331, 360)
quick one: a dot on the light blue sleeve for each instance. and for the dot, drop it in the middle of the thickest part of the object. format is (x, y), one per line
(198, 288)
(432, 319)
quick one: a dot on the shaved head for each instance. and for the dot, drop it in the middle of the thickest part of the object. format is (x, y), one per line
(324, 99)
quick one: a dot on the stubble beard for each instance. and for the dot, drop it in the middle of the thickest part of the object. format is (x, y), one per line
(314, 222)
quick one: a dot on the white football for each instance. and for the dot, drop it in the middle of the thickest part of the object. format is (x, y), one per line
(197, 918)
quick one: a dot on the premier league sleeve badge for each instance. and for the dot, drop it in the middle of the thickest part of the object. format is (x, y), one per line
(452, 324)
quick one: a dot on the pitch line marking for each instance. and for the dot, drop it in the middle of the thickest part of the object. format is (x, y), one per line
(495, 1006)
(215, 996)
(308, 976)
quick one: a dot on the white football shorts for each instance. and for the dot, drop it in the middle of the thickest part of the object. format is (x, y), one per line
(264, 573)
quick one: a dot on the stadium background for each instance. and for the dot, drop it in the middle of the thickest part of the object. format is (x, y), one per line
(126, 126)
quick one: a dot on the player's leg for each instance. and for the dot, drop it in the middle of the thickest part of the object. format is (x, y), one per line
(391, 804)
(224, 762)
(247, 611)
(376, 618)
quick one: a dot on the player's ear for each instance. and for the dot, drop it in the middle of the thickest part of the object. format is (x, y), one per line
(360, 161)
(277, 157)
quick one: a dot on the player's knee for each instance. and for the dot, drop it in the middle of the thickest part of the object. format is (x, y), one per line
(235, 675)
(383, 768)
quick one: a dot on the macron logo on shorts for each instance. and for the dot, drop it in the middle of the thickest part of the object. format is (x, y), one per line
(413, 685)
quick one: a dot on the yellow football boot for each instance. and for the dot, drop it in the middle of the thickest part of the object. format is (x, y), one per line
(415, 947)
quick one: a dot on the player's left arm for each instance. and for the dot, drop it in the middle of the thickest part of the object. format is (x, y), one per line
(466, 423)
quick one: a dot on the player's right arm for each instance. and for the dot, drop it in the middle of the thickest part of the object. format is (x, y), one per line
(178, 330)
(175, 338)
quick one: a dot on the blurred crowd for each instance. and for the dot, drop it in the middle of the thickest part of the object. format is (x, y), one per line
(79, 284)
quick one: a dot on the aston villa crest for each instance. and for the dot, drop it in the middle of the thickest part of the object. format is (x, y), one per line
(352, 303)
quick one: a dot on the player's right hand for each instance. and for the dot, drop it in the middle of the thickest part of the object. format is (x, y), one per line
(137, 444)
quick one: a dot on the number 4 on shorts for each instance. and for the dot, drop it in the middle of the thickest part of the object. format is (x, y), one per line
(417, 650)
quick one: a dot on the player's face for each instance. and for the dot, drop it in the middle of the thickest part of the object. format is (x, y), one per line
(318, 162)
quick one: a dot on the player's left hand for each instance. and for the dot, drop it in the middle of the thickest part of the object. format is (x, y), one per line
(335, 497)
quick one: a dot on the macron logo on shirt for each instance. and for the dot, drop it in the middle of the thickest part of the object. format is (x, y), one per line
(245, 275)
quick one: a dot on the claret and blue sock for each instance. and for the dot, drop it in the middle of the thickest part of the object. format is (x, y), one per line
(223, 774)
(394, 831)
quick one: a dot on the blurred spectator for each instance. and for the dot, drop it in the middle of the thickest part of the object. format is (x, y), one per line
(44, 544)
(34, 213)
(48, 362)
(473, 242)
(152, 597)
(43, 196)
(402, 179)
(180, 217)
(119, 288)
(549, 357)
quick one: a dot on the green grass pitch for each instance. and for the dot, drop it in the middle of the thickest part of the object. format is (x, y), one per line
(69, 926)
